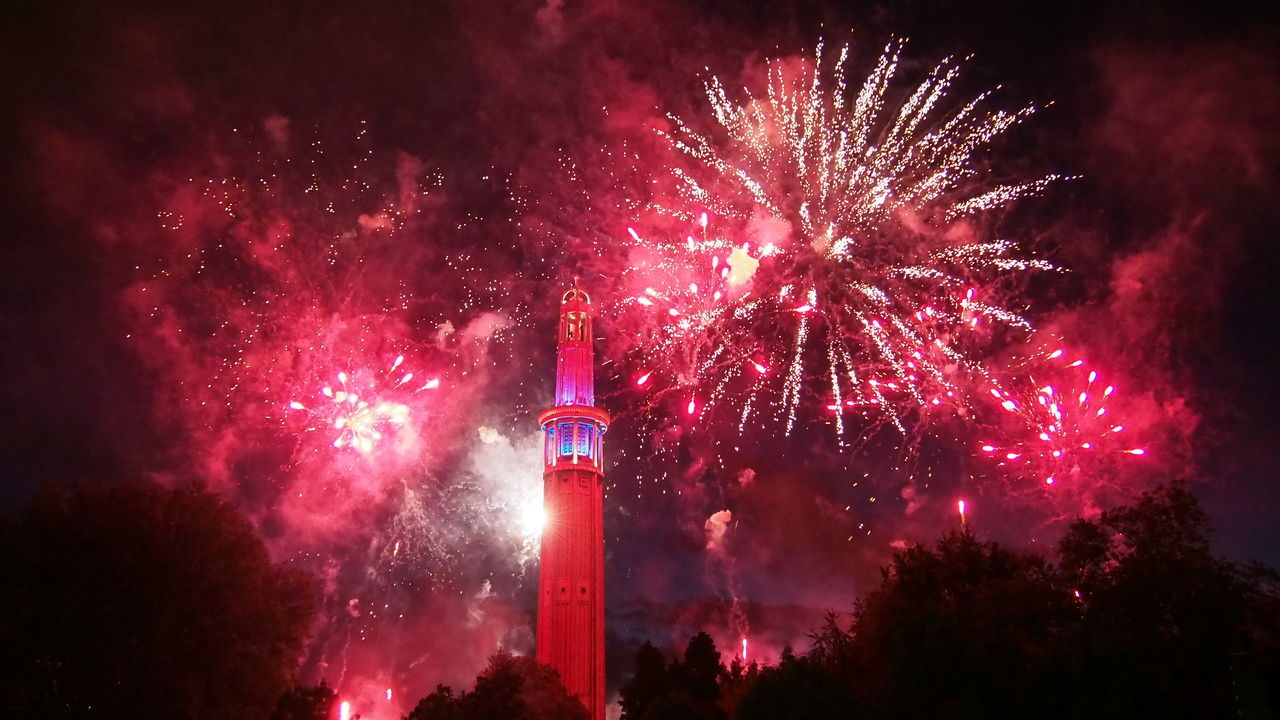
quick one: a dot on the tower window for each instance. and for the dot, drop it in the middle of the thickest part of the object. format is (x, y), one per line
(575, 326)
(586, 439)
(566, 438)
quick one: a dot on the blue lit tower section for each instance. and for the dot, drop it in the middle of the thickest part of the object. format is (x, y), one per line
(571, 573)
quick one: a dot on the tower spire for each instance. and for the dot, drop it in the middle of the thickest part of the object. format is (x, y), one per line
(571, 573)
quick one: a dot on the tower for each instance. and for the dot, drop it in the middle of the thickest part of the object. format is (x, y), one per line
(571, 574)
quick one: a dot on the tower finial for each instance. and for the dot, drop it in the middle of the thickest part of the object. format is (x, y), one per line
(575, 292)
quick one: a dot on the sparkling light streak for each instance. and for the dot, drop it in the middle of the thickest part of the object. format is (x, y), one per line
(833, 233)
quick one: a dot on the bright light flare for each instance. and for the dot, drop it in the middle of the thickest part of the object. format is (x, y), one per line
(533, 517)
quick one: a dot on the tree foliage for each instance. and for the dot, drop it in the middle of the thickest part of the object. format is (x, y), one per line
(686, 688)
(1162, 620)
(800, 688)
(650, 681)
(971, 617)
(137, 600)
(306, 703)
(510, 688)
(1138, 619)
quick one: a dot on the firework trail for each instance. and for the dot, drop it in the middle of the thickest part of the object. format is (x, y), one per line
(846, 254)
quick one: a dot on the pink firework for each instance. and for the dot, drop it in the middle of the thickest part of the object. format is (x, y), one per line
(726, 326)
(832, 255)
(1062, 425)
(365, 406)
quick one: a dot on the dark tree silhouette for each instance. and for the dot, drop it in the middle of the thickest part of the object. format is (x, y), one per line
(798, 689)
(701, 669)
(686, 689)
(441, 704)
(1165, 624)
(136, 600)
(956, 629)
(510, 688)
(738, 679)
(306, 703)
(650, 681)
(1139, 620)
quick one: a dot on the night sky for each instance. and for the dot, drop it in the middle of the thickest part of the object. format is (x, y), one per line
(212, 211)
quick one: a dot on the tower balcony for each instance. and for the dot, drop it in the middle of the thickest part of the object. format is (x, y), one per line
(573, 438)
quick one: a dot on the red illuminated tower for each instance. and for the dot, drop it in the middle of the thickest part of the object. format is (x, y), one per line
(571, 575)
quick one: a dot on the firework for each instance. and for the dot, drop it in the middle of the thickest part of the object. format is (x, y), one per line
(847, 255)
(320, 341)
(1062, 426)
(363, 406)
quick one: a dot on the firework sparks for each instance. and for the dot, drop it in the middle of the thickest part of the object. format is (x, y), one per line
(317, 333)
(366, 405)
(869, 268)
(1063, 424)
